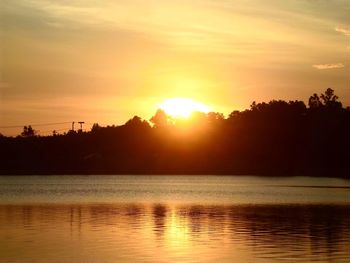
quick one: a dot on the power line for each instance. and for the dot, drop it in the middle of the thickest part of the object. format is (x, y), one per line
(50, 131)
(46, 131)
(49, 124)
(40, 124)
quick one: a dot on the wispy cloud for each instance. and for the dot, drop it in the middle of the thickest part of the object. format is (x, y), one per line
(343, 30)
(206, 26)
(329, 66)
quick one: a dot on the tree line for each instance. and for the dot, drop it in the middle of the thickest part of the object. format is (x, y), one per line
(275, 138)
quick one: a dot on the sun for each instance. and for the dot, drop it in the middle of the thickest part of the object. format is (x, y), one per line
(182, 107)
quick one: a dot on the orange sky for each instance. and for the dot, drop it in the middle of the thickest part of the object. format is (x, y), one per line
(105, 61)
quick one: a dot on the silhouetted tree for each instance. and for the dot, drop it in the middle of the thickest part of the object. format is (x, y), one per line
(95, 127)
(160, 119)
(253, 105)
(234, 114)
(215, 117)
(277, 137)
(315, 102)
(330, 99)
(327, 99)
(28, 131)
(137, 122)
(71, 132)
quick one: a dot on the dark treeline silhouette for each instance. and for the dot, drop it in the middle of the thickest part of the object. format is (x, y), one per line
(275, 138)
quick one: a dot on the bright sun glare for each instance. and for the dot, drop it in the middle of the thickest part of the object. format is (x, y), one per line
(182, 107)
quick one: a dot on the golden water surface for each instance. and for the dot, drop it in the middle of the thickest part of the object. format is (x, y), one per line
(174, 219)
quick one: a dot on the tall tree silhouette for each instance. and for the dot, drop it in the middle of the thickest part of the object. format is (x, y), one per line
(160, 119)
(28, 131)
(275, 137)
(330, 99)
(327, 99)
(315, 102)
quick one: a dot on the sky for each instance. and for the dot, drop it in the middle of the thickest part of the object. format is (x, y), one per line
(106, 61)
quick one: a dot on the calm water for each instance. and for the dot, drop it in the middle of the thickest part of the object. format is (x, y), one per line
(174, 219)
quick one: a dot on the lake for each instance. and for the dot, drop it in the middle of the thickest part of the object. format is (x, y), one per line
(174, 219)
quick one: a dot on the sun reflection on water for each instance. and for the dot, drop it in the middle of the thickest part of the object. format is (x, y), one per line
(173, 233)
(172, 219)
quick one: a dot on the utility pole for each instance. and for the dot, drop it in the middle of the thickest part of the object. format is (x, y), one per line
(81, 125)
(73, 126)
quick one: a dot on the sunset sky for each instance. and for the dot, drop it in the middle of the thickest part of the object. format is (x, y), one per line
(106, 61)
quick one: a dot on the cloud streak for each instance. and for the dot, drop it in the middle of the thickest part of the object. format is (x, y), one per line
(329, 66)
(161, 48)
(343, 30)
